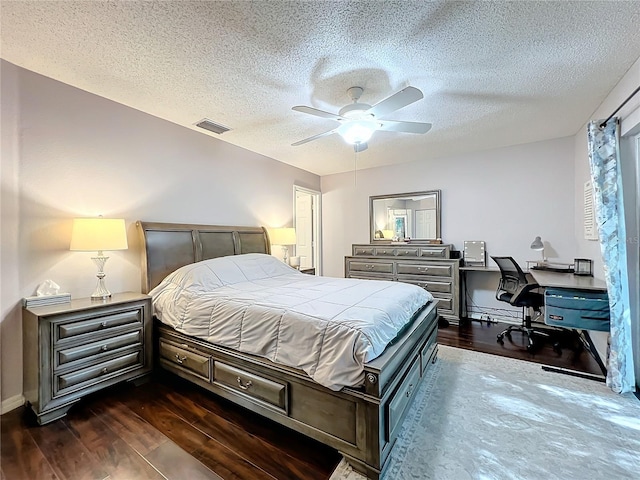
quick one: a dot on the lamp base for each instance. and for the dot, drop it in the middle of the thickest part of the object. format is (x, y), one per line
(101, 292)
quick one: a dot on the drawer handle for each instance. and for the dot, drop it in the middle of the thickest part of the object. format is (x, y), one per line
(180, 359)
(104, 348)
(369, 267)
(104, 370)
(423, 268)
(104, 325)
(244, 386)
(409, 390)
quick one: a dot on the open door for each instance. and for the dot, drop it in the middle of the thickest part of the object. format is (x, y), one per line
(306, 220)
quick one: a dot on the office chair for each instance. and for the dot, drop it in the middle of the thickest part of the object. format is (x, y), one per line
(515, 289)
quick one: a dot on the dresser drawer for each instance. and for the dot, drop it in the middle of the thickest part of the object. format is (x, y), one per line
(258, 388)
(372, 266)
(402, 398)
(385, 251)
(370, 276)
(434, 252)
(445, 303)
(406, 251)
(425, 269)
(181, 358)
(432, 285)
(63, 383)
(67, 331)
(96, 350)
(366, 250)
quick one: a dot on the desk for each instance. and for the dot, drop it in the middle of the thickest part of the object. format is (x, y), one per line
(546, 278)
(569, 281)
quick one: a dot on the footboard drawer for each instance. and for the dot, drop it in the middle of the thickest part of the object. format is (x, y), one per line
(427, 351)
(254, 386)
(179, 357)
(402, 398)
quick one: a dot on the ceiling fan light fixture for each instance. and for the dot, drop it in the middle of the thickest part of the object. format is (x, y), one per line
(357, 131)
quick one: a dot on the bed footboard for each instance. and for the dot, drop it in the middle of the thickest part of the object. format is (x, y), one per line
(360, 423)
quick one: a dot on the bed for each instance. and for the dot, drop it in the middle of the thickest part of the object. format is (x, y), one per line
(361, 421)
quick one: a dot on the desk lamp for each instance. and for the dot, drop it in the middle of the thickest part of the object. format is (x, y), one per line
(99, 234)
(538, 245)
(283, 237)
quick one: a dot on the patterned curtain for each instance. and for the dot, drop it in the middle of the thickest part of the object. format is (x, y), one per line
(604, 160)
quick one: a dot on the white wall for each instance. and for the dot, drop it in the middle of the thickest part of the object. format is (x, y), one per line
(630, 125)
(10, 311)
(82, 155)
(505, 197)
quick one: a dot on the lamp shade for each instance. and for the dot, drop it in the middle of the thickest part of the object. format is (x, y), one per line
(97, 234)
(537, 244)
(282, 236)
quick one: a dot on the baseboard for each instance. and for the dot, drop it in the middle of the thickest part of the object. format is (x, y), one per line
(11, 403)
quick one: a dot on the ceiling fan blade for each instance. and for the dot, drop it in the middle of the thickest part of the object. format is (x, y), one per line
(316, 112)
(360, 147)
(395, 102)
(320, 135)
(406, 127)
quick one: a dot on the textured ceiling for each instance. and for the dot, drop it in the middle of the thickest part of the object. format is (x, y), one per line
(492, 73)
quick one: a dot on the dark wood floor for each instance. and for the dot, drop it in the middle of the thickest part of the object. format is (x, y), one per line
(481, 336)
(168, 429)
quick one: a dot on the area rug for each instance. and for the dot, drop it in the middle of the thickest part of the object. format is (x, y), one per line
(480, 416)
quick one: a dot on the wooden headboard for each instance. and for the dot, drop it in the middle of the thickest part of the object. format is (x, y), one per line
(169, 246)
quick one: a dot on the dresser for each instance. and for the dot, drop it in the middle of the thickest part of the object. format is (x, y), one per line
(428, 266)
(76, 348)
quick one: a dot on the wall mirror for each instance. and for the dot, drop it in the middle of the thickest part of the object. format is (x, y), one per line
(401, 216)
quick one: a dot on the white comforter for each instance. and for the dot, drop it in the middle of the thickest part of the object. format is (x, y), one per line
(254, 303)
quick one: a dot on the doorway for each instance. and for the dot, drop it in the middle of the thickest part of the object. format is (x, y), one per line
(306, 221)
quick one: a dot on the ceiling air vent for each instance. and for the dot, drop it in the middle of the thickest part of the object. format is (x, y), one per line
(212, 126)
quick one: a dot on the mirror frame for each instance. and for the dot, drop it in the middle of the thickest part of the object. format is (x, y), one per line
(372, 228)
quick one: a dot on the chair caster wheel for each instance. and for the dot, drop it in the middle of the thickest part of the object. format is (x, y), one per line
(500, 340)
(530, 347)
(557, 348)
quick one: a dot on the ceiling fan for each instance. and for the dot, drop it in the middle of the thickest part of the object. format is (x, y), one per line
(358, 121)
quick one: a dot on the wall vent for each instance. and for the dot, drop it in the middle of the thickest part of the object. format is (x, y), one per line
(212, 126)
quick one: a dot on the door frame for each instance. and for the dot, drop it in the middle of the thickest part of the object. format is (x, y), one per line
(316, 222)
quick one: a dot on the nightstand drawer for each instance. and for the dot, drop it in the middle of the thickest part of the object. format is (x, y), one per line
(424, 269)
(97, 349)
(65, 331)
(188, 361)
(63, 383)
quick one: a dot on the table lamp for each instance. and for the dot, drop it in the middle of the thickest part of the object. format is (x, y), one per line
(99, 234)
(538, 245)
(283, 237)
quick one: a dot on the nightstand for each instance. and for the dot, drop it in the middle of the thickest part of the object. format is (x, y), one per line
(76, 348)
(308, 271)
